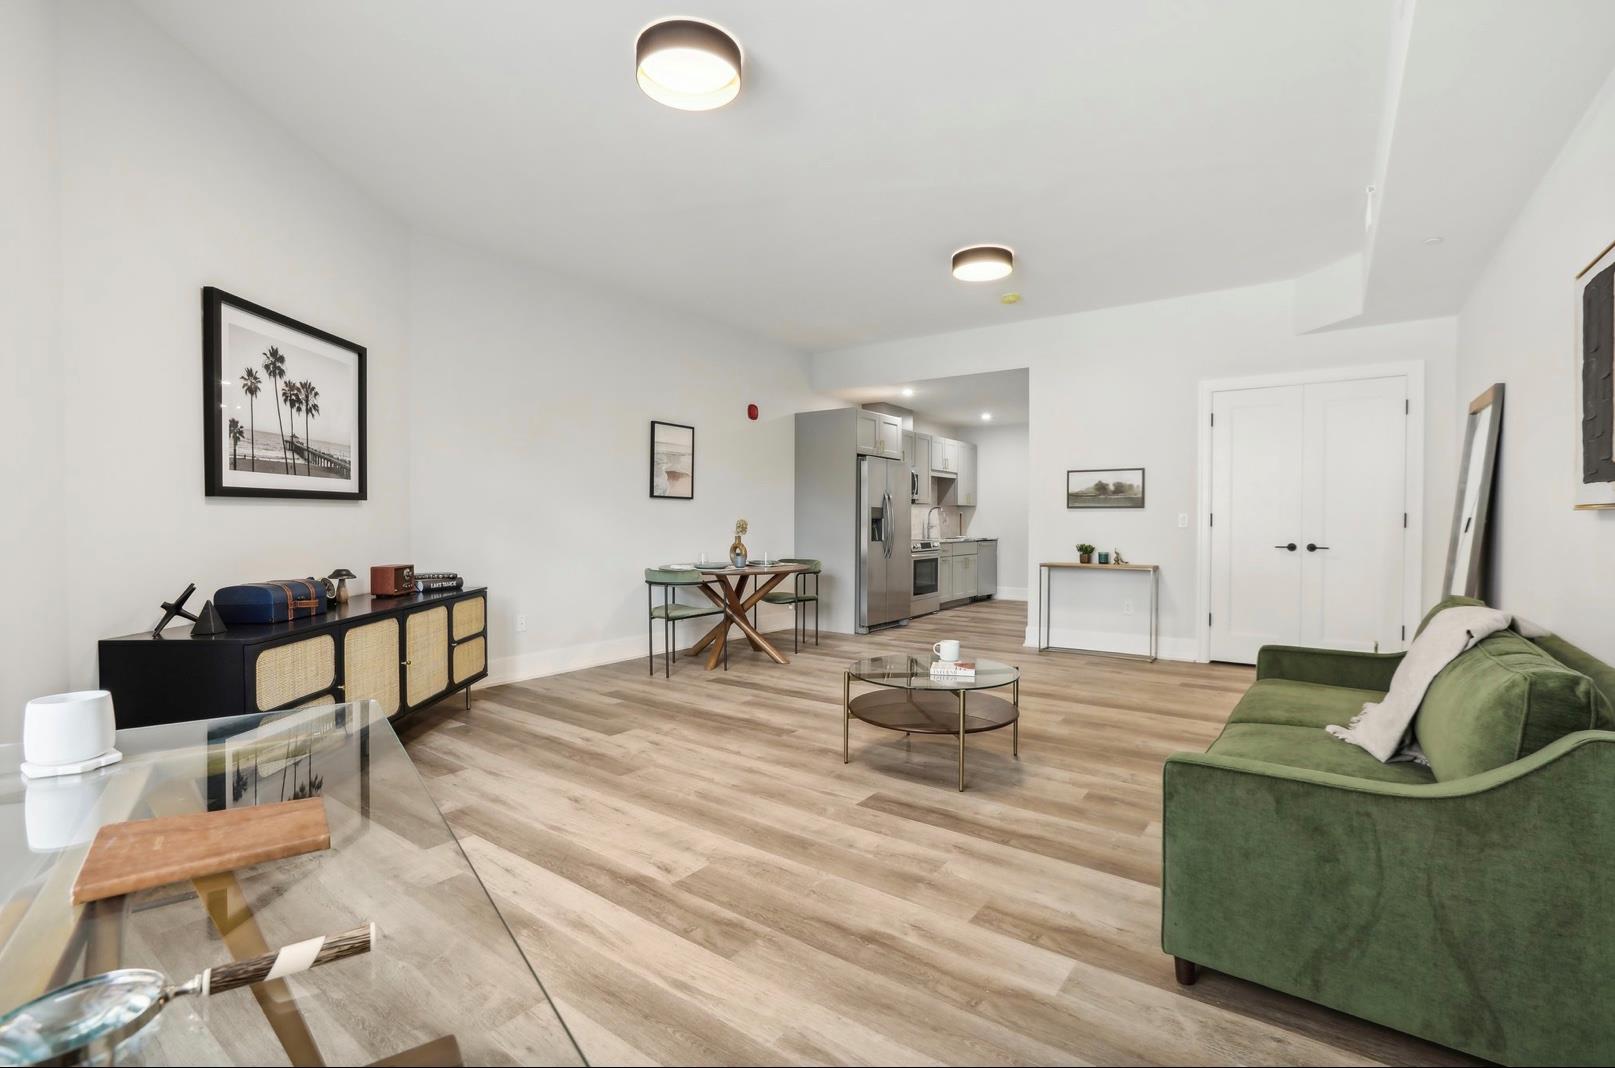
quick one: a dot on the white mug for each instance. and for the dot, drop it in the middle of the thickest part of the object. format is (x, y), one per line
(946, 650)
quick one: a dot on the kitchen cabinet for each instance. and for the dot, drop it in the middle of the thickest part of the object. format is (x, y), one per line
(880, 434)
(945, 456)
(964, 576)
(964, 492)
(945, 574)
(917, 456)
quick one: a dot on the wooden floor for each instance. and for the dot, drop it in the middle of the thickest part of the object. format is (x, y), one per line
(698, 879)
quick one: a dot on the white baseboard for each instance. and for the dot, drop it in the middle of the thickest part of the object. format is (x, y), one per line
(541, 663)
(1168, 648)
(1011, 593)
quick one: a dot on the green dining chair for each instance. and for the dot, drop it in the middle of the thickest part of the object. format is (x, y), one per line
(671, 612)
(799, 598)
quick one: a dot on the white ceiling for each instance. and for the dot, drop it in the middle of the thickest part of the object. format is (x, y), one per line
(957, 401)
(1127, 150)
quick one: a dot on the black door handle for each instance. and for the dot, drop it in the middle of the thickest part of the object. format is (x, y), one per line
(1311, 548)
(1290, 546)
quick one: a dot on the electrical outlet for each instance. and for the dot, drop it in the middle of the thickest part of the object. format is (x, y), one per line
(1127, 608)
(1183, 519)
(521, 624)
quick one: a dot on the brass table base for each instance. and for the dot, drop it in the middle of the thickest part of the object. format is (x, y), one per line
(941, 712)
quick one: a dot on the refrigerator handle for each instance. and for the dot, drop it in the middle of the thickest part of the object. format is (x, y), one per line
(886, 525)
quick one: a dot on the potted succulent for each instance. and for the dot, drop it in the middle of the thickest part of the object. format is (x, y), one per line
(1085, 553)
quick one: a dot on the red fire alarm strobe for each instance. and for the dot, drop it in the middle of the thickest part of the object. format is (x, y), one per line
(751, 411)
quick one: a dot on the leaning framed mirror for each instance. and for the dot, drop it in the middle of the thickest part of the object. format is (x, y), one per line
(1466, 552)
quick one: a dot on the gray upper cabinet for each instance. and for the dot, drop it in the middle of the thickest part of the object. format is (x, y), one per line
(945, 456)
(965, 491)
(880, 434)
(920, 464)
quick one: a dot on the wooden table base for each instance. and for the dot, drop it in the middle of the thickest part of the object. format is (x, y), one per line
(736, 604)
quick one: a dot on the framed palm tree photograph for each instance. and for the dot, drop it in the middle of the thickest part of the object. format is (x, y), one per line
(283, 405)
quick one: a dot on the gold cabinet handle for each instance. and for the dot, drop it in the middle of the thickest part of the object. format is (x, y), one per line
(406, 663)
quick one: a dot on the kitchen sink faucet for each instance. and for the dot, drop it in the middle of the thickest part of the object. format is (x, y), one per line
(941, 522)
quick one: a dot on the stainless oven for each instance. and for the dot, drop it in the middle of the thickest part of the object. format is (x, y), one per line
(927, 562)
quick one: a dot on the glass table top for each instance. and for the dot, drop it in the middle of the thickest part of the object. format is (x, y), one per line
(914, 673)
(445, 966)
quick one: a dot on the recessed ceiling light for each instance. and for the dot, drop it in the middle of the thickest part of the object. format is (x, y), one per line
(688, 64)
(983, 263)
(986, 417)
(908, 391)
(1434, 239)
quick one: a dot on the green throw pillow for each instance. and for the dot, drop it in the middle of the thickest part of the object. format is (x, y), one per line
(1502, 700)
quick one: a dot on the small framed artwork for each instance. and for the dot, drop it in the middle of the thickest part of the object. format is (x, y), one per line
(1593, 384)
(672, 460)
(283, 405)
(1105, 487)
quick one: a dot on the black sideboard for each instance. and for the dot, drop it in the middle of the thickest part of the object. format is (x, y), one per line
(405, 652)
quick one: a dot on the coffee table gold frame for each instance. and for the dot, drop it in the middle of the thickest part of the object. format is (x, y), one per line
(927, 711)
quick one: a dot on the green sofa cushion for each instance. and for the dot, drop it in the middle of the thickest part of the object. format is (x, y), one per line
(1502, 700)
(1300, 704)
(1575, 659)
(1313, 748)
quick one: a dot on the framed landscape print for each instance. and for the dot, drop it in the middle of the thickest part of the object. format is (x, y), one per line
(283, 405)
(1593, 384)
(1105, 487)
(672, 460)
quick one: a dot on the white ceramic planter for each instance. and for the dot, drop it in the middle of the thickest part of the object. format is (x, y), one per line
(68, 732)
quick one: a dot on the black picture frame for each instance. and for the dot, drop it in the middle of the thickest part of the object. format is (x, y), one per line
(215, 303)
(1099, 502)
(690, 496)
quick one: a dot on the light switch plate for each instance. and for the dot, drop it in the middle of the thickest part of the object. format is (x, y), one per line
(1183, 519)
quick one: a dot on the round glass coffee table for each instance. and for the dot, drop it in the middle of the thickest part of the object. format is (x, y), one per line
(914, 701)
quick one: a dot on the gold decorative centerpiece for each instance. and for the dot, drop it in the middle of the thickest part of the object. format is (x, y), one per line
(737, 551)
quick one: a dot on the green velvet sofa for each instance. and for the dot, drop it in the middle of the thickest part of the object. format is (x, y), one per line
(1470, 902)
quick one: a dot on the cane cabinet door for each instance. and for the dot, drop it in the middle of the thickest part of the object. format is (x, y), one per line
(426, 654)
(370, 667)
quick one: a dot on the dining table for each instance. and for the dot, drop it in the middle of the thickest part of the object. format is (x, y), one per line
(726, 588)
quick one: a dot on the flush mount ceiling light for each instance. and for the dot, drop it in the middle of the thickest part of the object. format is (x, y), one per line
(688, 64)
(983, 263)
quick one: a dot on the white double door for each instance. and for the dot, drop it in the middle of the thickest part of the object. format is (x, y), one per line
(1308, 524)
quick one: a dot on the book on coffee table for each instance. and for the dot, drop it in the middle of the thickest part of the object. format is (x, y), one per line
(953, 669)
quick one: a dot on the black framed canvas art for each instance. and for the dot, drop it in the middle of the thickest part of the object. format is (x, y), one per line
(1105, 487)
(283, 405)
(672, 461)
(1593, 384)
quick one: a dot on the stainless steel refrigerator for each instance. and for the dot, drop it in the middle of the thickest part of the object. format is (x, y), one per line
(885, 568)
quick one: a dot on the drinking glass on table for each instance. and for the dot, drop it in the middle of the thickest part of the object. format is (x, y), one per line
(703, 561)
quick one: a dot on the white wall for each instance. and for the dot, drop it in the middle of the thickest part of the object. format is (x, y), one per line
(1118, 387)
(171, 181)
(1518, 326)
(530, 464)
(1001, 509)
(33, 633)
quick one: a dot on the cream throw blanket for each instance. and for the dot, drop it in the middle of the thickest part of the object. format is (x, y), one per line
(1381, 726)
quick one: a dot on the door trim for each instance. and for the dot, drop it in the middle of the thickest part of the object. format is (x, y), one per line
(1413, 503)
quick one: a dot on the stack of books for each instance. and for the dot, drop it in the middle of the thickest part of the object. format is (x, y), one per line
(953, 669)
(437, 581)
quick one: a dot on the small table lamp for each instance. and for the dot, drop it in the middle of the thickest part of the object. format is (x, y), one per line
(342, 575)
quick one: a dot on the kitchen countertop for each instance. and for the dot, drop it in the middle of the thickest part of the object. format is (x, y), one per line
(951, 541)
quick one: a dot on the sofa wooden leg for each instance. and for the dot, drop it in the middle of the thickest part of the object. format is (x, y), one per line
(1187, 970)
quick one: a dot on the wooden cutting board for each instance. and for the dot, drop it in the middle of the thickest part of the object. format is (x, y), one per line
(131, 856)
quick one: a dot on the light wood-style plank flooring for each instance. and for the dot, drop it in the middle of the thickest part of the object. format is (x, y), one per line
(698, 879)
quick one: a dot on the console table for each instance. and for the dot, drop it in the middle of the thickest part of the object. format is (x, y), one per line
(1045, 613)
(403, 652)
